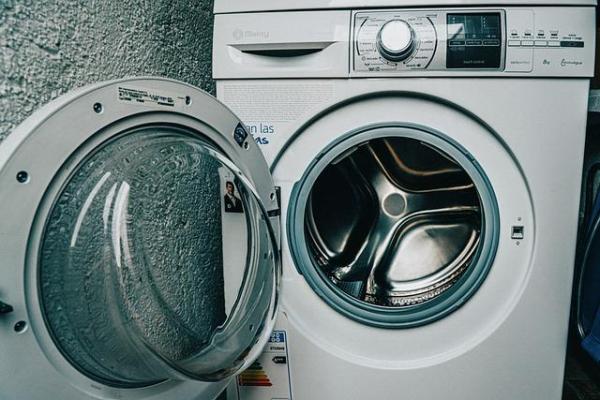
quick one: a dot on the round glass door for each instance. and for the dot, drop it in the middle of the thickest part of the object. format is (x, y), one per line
(157, 261)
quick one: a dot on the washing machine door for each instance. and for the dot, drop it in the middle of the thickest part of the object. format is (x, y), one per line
(138, 245)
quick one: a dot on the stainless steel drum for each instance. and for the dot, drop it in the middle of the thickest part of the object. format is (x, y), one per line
(393, 220)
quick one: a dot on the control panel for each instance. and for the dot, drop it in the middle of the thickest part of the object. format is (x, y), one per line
(433, 40)
(483, 40)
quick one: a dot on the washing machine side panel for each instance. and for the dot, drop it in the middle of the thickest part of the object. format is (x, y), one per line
(551, 148)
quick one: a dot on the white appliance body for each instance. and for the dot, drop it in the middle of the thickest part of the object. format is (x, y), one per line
(303, 81)
(413, 237)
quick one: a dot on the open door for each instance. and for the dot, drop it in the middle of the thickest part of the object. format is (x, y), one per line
(141, 227)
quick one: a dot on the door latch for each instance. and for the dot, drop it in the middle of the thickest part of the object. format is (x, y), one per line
(5, 308)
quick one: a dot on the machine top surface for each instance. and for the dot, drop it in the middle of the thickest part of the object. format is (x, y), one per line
(234, 6)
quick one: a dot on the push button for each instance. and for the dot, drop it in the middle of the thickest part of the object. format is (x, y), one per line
(517, 232)
(553, 43)
(570, 43)
(541, 43)
(514, 43)
(491, 42)
(527, 43)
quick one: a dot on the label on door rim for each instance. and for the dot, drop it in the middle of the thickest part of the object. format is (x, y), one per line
(150, 97)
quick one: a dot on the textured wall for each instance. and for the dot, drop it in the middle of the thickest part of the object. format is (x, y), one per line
(48, 47)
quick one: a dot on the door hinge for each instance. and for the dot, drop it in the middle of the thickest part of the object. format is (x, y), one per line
(277, 212)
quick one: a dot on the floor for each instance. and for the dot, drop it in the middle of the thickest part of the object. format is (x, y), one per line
(582, 377)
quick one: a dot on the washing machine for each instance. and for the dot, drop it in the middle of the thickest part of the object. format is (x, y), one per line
(382, 205)
(428, 159)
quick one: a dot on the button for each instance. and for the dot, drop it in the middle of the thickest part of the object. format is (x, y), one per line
(526, 42)
(570, 43)
(513, 43)
(553, 43)
(517, 232)
(491, 42)
(280, 360)
(473, 42)
(541, 43)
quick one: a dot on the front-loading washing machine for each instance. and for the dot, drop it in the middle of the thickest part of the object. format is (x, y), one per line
(386, 208)
(428, 156)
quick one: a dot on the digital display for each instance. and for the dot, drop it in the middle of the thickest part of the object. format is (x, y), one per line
(474, 40)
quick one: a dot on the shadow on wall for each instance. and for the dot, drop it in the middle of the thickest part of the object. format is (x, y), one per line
(48, 48)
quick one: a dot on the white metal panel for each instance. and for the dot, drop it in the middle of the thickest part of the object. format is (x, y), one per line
(274, 45)
(232, 6)
(541, 124)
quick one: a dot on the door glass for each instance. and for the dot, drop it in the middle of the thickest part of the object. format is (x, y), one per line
(157, 261)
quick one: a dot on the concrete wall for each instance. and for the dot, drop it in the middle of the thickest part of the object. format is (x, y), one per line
(48, 47)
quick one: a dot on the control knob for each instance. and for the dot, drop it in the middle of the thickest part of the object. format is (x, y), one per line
(396, 40)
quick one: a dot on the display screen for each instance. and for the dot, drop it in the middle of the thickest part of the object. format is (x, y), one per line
(474, 40)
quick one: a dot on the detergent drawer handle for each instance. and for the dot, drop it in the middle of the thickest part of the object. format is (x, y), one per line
(283, 49)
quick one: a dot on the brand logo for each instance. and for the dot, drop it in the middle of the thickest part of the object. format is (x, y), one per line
(565, 63)
(239, 34)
